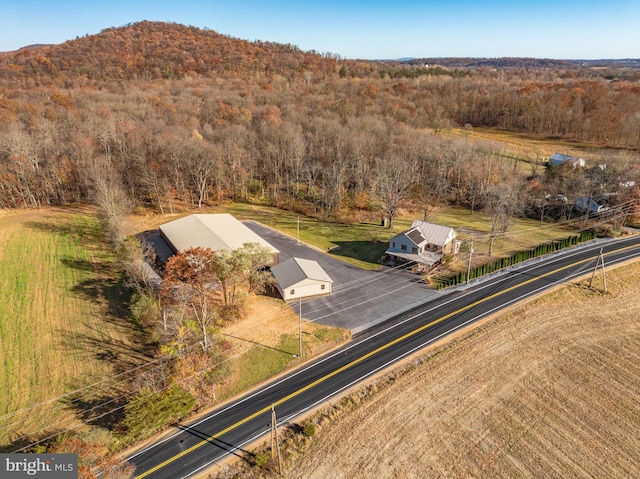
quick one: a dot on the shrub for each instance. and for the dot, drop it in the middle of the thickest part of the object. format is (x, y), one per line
(150, 411)
(262, 459)
(309, 429)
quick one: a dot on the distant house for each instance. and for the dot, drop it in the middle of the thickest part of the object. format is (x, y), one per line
(558, 159)
(425, 244)
(301, 278)
(214, 231)
(589, 205)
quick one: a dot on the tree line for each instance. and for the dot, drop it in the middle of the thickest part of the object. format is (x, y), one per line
(174, 117)
(171, 118)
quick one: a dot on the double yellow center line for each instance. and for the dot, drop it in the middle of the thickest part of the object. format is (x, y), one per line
(357, 361)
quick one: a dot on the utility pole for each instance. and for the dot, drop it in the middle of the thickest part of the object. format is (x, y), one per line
(300, 325)
(600, 261)
(298, 237)
(275, 445)
(469, 265)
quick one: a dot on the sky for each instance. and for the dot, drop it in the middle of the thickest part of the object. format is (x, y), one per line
(358, 29)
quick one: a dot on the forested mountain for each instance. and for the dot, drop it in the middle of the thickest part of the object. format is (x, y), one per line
(151, 50)
(169, 116)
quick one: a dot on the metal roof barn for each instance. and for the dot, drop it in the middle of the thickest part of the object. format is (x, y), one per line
(214, 231)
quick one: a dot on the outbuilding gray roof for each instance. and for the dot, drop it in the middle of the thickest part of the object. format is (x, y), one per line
(558, 159)
(294, 270)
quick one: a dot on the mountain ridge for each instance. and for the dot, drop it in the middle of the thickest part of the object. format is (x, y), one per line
(152, 50)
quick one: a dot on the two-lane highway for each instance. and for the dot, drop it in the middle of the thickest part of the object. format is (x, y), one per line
(194, 447)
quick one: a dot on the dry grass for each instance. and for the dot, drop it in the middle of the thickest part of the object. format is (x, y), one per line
(521, 145)
(549, 391)
(267, 319)
(267, 342)
(59, 329)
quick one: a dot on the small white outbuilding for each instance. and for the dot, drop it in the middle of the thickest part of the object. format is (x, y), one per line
(301, 278)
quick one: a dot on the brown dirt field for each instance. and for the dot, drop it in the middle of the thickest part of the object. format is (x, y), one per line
(266, 321)
(549, 391)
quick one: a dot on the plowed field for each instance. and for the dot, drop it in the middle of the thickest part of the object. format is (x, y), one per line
(549, 391)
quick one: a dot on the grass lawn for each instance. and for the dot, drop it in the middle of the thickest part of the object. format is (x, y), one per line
(59, 318)
(361, 244)
(364, 243)
(261, 363)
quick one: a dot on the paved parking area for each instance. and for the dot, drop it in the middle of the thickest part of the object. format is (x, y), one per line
(360, 298)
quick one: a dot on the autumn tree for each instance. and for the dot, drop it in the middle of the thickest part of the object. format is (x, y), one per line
(254, 257)
(190, 286)
(239, 272)
(94, 459)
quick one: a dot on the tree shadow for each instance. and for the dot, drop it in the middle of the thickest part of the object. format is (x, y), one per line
(106, 410)
(102, 403)
(81, 232)
(369, 251)
(123, 356)
(66, 229)
(85, 265)
(243, 454)
(108, 291)
(25, 442)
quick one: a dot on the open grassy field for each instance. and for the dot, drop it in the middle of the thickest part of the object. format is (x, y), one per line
(549, 390)
(64, 326)
(521, 146)
(60, 318)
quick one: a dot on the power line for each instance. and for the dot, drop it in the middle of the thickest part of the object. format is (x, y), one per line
(126, 375)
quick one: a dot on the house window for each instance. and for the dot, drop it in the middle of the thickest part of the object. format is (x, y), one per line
(414, 250)
(393, 244)
(322, 286)
(292, 292)
(403, 247)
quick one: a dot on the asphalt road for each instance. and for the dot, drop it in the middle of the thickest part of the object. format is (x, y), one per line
(194, 447)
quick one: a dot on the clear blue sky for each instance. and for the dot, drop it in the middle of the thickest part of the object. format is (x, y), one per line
(370, 29)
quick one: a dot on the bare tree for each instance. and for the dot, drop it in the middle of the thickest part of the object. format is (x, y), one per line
(501, 203)
(200, 162)
(112, 200)
(393, 180)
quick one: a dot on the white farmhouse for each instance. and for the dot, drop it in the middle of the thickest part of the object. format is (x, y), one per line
(425, 244)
